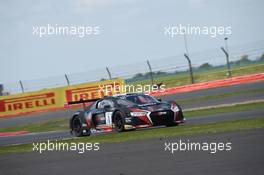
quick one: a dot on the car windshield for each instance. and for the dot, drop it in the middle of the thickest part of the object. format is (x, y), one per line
(125, 102)
(142, 99)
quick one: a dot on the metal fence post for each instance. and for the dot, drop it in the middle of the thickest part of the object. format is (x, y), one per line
(190, 67)
(67, 79)
(150, 71)
(1, 89)
(227, 62)
(22, 87)
(109, 73)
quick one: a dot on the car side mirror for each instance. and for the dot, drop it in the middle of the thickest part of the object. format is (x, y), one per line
(159, 99)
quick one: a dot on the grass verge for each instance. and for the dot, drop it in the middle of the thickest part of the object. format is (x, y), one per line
(219, 96)
(182, 130)
(49, 125)
(226, 109)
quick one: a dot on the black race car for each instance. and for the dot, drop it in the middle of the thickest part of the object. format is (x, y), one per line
(125, 112)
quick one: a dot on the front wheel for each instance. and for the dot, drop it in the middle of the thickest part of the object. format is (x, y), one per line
(119, 122)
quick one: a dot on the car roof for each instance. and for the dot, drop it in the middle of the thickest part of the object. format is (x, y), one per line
(128, 94)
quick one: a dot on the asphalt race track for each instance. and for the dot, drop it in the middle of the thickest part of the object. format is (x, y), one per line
(148, 157)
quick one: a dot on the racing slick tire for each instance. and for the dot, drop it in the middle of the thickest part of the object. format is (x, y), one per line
(77, 128)
(119, 121)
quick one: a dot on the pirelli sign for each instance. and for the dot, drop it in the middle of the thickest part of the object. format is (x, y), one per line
(56, 97)
(93, 91)
(27, 102)
(30, 102)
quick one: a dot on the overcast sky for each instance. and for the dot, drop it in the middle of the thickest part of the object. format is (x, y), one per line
(130, 31)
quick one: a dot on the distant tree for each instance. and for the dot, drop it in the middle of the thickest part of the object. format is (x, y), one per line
(244, 60)
(138, 75)
(261, 57)
(232, 62)
(160, 73)
(205, 66)
(148, 74)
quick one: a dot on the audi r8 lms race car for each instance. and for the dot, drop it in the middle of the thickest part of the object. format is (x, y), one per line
(125, 112)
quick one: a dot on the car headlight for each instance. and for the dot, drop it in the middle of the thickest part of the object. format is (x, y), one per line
(138, 114)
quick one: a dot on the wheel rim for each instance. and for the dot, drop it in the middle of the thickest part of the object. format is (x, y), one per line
(76, 126)
(119, 123)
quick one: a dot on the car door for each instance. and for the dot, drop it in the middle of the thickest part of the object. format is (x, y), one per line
(103, 114)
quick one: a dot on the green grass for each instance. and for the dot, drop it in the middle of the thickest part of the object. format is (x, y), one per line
(15, 148)
(226, 109)
(182, 130)
(204, 76)
(219, 96)
(49, 125)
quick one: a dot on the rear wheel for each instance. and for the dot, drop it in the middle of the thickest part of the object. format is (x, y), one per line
(119, 122)
(77, 127)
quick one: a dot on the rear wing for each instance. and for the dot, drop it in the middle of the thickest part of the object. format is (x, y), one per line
(83, 102)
